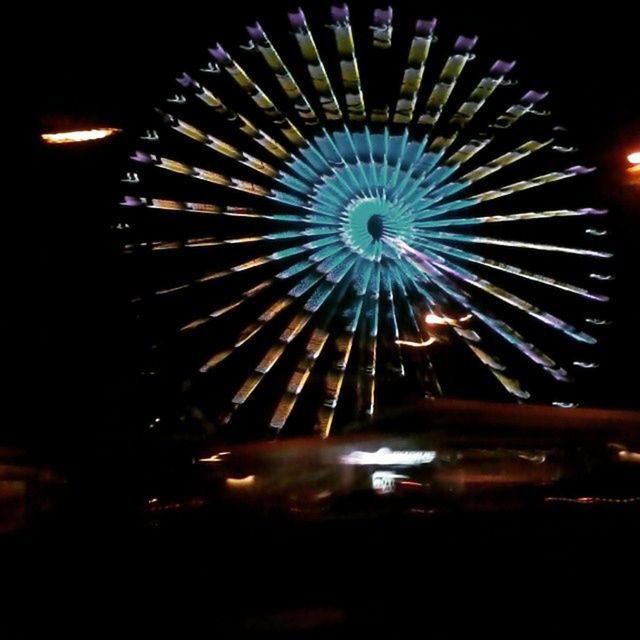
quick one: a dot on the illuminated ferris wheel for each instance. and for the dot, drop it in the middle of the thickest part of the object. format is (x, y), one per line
(340, 231)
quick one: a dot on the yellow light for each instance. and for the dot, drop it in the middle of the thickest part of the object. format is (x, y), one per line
(409, 343)
(633, 171)
(629, 456)
(66, 137)
(432, 318)
(215, 457)
(240, 482)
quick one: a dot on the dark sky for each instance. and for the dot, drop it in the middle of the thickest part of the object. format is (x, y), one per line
(113, 62)
(110, 64)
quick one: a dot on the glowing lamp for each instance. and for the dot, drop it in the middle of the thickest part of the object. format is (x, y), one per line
(67, 137)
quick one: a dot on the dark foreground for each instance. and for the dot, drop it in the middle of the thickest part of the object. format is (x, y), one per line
(495, 526)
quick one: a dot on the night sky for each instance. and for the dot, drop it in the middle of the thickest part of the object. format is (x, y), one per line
(81, 350)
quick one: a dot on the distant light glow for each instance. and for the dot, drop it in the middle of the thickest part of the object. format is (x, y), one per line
(388, 457)
(240, 482)
(66, 137)
(629, 456)
(634, 158)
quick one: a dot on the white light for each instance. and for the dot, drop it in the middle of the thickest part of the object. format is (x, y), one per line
(388, 457)
(384, 481)
(634, 158)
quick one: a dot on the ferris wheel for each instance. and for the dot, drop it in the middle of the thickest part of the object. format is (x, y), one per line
(336, 218)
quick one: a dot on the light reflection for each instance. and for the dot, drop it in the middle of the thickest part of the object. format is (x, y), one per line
(411, 483)
(66, 137)
(593, 500)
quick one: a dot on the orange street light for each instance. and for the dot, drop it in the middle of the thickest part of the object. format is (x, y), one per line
(66, 137)
(633, 170)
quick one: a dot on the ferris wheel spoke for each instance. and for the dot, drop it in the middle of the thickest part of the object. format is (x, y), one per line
(392, 316)
(349, 71)
(422, 263)
(481, 93)
(515, 301)
(313, 348)
(526, 105)
(237, 120)
(220, 146)
(426, 212)
(414, 71)
(261, 99)
(315, 66)
(282, 73)
(497, 370)
(335, 378)
(317, 299)
(447, 81)
(485, 170)
(512, 269)
(366, 385)
(535, 246)
(511, 217)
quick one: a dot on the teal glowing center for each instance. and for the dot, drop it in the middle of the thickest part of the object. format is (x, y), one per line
(375, 189)
(367, 221)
